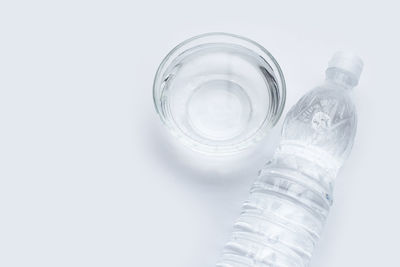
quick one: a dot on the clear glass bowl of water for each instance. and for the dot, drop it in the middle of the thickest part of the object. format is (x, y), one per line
(219, 93)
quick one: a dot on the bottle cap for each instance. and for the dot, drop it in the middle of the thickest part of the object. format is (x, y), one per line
(348, 62)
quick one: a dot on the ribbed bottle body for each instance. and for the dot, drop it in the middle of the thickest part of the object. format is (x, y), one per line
(281, 220)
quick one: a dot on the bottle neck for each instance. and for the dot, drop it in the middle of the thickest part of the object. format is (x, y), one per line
(341, 78)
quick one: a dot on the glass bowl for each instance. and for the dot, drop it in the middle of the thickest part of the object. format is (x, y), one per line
(219, 93)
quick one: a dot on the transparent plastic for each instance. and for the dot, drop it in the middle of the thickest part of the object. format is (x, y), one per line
(219, 93)
(289, 202)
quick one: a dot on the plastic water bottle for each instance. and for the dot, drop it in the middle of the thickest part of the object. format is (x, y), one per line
(289, 202)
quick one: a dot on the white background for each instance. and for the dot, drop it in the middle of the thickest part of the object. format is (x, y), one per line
(88, 176)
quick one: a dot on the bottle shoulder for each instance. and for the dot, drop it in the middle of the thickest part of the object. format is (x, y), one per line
(324, 119)
(327, 97)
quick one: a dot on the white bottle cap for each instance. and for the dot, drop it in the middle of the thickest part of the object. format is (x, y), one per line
(348, 62)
